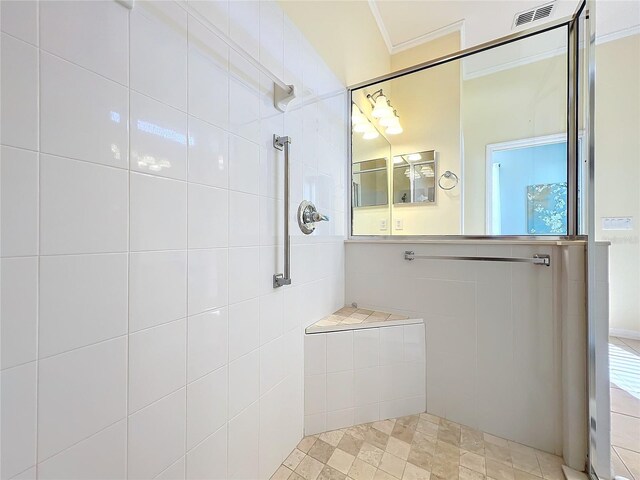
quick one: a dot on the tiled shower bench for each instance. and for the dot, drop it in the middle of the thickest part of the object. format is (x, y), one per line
(362, 366)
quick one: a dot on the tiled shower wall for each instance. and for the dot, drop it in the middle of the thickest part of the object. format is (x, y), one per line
(364, 375)
(493, 331)
(141, 225)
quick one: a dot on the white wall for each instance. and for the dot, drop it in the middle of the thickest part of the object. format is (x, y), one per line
(141, 226)
(493, 331)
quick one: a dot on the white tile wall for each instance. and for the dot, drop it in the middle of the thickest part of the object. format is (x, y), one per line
(157, 288)
(93, 397)
(19, 310)
(19, 93)
(106, 452)
(206, 406)
(158, 138)
(361, 376)
(19, 420)
(20, 19)
(83, 207)
(156, 363)
(141, 206)
(492, 333)
(19, 202)
(83, 115)
(83, 300)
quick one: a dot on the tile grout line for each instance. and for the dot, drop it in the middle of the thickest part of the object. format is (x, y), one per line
(39, 233)
(127, 458)
(186, 292)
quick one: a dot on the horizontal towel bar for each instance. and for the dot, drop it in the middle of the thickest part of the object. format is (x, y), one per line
(537, 259)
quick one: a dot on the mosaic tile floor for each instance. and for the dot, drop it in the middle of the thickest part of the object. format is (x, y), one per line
(355, 316)
(418, 447)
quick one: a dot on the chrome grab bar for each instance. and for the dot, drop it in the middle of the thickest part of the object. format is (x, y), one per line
(537, 259)
(281, 279)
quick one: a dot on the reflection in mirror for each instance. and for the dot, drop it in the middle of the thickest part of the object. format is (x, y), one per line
(498, 121)
(371, 154)
(370, 183)
(414, 178)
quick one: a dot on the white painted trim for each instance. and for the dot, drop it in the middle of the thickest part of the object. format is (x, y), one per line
(414, 42)
(383, 29)
(428, 37)
(609, 37)
(625, 32)
(516, 63)
(623, 333)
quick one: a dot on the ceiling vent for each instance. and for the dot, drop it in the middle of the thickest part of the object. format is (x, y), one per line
(533, 15)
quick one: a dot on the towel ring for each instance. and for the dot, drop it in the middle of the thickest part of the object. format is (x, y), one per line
(448, 174)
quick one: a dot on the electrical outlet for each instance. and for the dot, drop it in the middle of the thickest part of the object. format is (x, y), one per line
(398, 224)
(383, 224)
(617, 223)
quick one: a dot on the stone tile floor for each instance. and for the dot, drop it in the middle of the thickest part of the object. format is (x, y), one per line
(355, 316)
(417, 447)
(624, 369)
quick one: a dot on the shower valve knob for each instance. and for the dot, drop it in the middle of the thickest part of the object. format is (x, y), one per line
(308, 215)
(319, 217)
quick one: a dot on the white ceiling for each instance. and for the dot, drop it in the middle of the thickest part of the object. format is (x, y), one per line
(406, 23)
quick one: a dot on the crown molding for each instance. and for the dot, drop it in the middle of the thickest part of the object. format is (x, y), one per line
(428, 37)
(515, 63)
(383, 29)
(609, 37)
(414, 42)
(625, 32)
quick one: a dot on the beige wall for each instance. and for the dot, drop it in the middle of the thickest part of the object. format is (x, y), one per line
(428, 103)
(617, 144)
(489, 116)
(427, 51)
(345, 34)
(518, 103)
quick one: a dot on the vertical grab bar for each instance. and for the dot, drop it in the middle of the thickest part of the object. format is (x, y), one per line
(281, 279)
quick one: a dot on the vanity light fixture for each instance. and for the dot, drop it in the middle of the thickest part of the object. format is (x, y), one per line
(394, 130)
(381, 105)
(361, 127)
(414, 157)
(382, 108)
(390, 120)
(357, 117)
(385, 113)
(371, 133)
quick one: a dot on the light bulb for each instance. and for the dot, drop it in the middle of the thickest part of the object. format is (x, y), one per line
(358, 118)
(387, 121)
(397, 159)
(382, 108)
(361, 127)
(371, 134)
(394, 130)
(414, 157)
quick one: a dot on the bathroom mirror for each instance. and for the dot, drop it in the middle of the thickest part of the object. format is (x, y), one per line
(370, 183)
(414, 178)
(370, 177)
(491, 131)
